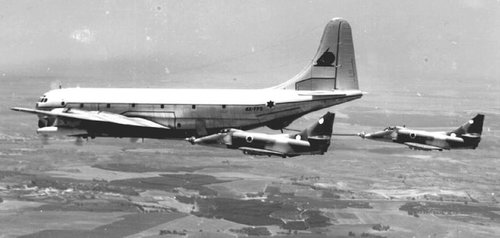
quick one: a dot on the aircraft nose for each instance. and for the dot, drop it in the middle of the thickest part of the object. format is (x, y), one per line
(363, 134)
(375, 135)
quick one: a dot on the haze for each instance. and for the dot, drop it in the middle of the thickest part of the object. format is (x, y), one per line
(416, 52)
(259, 42)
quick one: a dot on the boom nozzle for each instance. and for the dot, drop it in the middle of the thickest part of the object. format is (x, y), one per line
(363, 135)
(191, 140)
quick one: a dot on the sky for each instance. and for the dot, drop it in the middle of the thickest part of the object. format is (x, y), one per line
(245, 43)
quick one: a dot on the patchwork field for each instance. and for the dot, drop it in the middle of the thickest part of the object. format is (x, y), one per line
(116, 188)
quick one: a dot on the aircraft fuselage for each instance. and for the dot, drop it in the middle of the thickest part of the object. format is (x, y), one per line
(330, 78)
(425, 140)
(313, 140)
(437, 139)
(253, 143)
(189, 112)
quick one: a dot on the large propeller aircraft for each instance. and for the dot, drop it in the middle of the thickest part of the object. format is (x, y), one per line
(330, 79)
(466, 136)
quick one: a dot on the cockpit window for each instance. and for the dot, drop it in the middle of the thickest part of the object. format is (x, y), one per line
(43, 99)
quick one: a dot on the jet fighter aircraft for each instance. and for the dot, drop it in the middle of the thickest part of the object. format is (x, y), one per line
(313, 140)
(466, 136)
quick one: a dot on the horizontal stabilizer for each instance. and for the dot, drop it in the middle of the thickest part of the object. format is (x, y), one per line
(339, 93)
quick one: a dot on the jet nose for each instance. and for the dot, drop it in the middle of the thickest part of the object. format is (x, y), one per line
(206, 140)
(366, 136)
(375, 135)
(379, 134)
(363, 134)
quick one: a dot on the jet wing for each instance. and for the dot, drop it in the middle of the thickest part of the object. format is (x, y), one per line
(418, 146)
(255, 151)
(94, 116)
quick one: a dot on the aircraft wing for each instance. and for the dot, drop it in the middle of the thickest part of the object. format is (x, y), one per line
(94, 116)
(255, 151)
(418, 146)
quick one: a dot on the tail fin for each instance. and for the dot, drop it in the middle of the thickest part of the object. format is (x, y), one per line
(321, 129)
(333, 66)
(473, 126)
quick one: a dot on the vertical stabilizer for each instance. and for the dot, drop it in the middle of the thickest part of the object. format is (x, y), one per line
(321, 129)
(334, 65)
(473, 126)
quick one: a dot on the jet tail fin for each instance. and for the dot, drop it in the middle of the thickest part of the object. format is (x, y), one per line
(473, 127)
(334, 65)
(321, 129)
(319, 134)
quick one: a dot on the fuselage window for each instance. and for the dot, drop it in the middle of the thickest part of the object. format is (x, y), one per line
(223, 106)
(193, 106)
(81, 105)
(108, 105)
(162, 106)
(62, 103)
(413, 135)
(133, 104)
